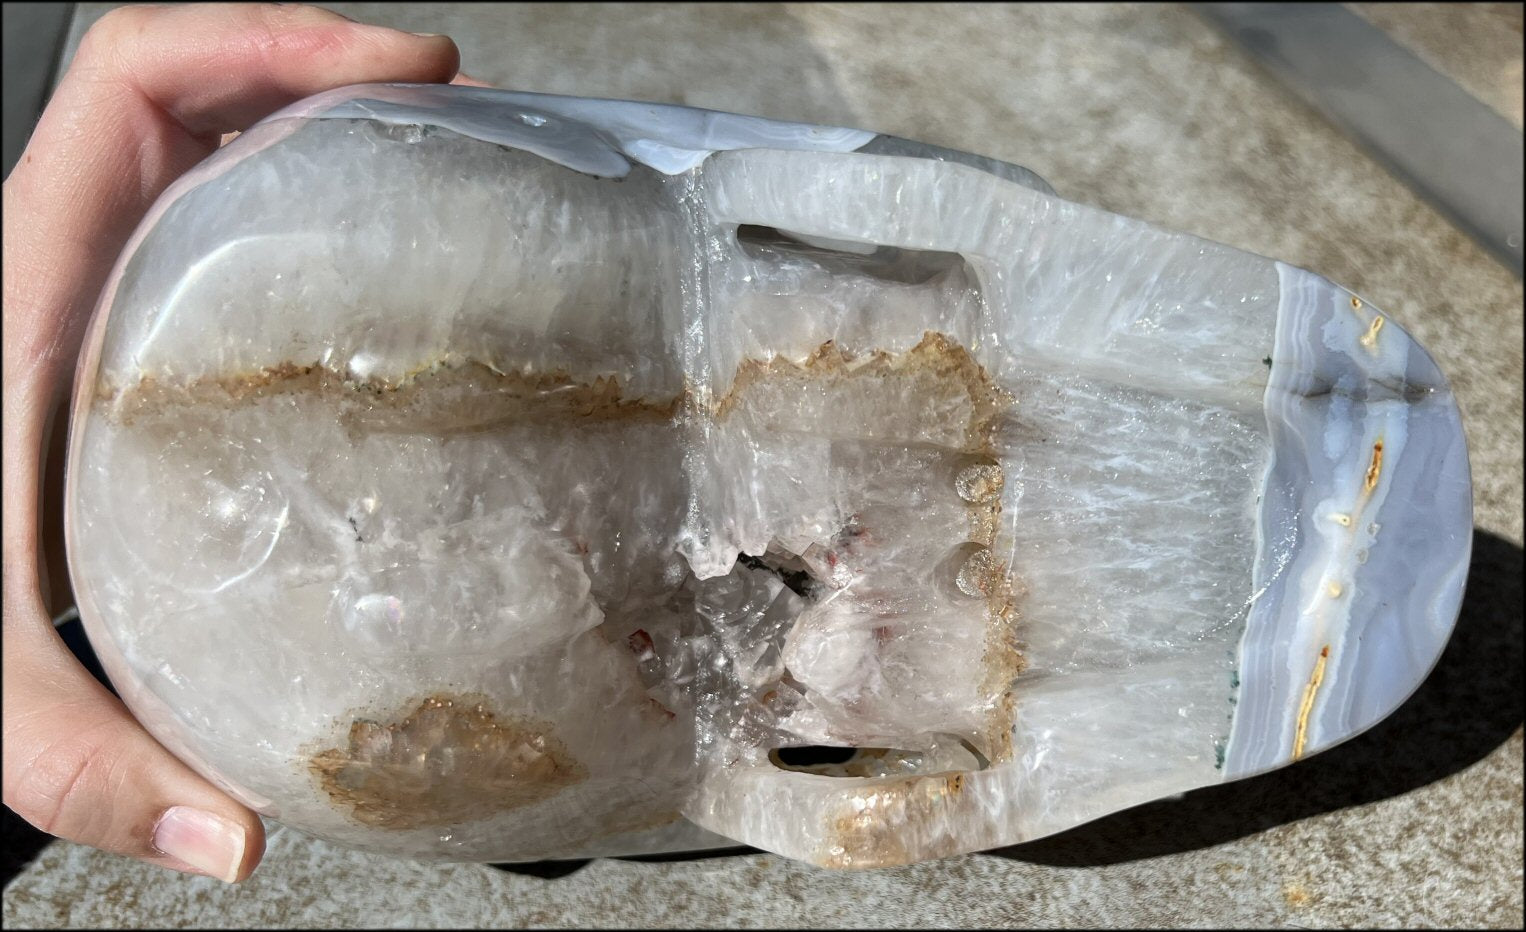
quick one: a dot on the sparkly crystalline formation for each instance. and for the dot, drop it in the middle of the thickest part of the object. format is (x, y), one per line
(490, 476)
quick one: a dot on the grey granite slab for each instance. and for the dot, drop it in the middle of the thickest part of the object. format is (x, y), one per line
(1143, 110)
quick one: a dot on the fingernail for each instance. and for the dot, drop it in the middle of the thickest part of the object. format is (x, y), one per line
(205, 841)
(429, 35)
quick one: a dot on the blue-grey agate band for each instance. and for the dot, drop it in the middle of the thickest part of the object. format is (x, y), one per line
(1366, 528)
(603, 137)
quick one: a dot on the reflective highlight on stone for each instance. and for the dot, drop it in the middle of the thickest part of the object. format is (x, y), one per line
(479, 475)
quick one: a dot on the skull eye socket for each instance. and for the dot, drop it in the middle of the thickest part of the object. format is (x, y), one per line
(885, 263)
(832, 761)
(944, 753)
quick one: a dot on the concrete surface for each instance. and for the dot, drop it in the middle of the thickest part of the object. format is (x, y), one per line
(1478, 45)
(1424, 127)
(1146, 111)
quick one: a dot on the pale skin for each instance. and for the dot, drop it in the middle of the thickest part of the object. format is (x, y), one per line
(151, 92)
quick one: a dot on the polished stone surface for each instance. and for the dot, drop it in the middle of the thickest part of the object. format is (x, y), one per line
(1419, 821)
(1261, 479)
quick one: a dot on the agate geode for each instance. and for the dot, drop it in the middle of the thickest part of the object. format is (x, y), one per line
(481, 475)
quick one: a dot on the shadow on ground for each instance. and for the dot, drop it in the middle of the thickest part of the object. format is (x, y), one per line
(1469, 705)
(552, 870)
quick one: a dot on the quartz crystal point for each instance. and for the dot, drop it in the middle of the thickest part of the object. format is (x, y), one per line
(480, 475)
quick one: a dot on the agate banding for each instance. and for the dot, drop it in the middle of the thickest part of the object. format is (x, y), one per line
(468, 474)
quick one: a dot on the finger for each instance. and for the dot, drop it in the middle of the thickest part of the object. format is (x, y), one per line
(144, 100)
(467, 80)
(77, 765)
(180, 58)
(146, 97)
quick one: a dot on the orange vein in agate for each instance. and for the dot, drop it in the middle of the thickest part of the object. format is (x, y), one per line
(1374, 470)
(1308, 701)
(1333, 590)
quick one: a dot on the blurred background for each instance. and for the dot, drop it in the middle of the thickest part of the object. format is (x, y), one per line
(1379, 145)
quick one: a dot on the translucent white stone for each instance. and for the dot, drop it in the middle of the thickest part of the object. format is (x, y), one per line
(479, 475)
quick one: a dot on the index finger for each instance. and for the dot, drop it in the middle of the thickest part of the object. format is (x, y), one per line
(147, 97)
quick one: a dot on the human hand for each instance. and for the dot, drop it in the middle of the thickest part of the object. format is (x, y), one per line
(151, 92)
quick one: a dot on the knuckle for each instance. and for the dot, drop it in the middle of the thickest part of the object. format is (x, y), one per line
(276, 18)
(272, 30)
(57, 791)
(118, 25)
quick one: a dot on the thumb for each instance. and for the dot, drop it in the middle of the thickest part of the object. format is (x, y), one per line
(77, 765)
(148, 95)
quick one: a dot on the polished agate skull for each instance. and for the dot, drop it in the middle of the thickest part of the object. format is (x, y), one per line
(480, 475)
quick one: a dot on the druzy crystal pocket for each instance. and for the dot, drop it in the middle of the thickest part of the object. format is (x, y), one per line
(479, 475)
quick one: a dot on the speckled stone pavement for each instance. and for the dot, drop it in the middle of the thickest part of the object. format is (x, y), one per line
(1146, 111)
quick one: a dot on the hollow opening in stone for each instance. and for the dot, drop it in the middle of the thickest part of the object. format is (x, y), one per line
(944, 753)
(887, 263)
(790, 569)
(814, 755)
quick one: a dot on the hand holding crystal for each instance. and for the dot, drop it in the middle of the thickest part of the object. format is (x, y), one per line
(151, 92)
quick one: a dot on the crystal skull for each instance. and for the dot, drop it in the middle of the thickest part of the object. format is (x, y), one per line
(479, 475)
